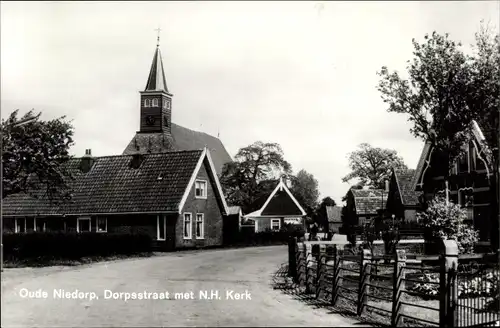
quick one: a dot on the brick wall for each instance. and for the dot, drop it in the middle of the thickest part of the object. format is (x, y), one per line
(212, 210)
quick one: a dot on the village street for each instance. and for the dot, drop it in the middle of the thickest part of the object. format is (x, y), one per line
(238, 270)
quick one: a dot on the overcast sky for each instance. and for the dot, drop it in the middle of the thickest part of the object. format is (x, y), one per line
(302, 74)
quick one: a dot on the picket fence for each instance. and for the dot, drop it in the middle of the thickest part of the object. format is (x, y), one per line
(382, 284)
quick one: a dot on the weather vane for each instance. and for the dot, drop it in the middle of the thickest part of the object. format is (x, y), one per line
(158, 38)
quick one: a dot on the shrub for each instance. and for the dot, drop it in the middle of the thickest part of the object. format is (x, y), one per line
(481, 286)
(428, 285)
(248, 236)
(72, 245)
(444, 221)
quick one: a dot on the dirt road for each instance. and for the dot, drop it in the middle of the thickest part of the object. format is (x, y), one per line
(238, 280)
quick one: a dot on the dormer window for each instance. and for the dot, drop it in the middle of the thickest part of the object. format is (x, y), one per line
(147, 102)
(201, 189)
(155, 102)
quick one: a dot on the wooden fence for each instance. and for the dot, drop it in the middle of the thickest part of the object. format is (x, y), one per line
(404, 290)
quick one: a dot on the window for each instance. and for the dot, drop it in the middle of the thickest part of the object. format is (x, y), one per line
(161, 227)
(83, 224)
(200, 231)
(275, 224)
(101, 224)
(147, 102)
(155, 102)
(187, 226)
(168, 104)
(164, 103)
(39, 225)
(463, 162)
(201, 189)
(20, 225)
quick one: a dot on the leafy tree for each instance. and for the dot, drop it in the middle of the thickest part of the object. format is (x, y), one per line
(373, 165)
(33, 156)
(244, 179)
(305, 189)
(444, 91)
(321, 213)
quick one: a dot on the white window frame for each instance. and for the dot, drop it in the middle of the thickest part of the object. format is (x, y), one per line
(35, 227)
(279, 224)
(147, 102)
(81, 219)
(204, 194)
(158, 227)
(16, 230)
(155, 102)
(202, 229)
(190, 231)
(168, 104)
(97, 224)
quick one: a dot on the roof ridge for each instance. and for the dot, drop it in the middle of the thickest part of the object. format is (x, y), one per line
(146, 154)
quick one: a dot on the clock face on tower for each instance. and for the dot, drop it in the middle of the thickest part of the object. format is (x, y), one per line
(150, 120)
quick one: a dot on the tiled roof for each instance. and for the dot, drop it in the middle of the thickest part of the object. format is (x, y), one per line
(113, 186)
(181, 139)
(334, 213)
(368, 201)
(405, 183)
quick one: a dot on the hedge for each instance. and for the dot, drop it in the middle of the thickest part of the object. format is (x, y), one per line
(72, 245)
(248, 236)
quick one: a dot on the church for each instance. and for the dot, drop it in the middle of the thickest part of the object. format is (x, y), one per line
(165, 184)
(157, 133)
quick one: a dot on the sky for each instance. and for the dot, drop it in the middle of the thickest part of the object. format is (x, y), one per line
(302, 74)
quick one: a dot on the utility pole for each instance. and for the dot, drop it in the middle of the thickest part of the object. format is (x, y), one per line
(23, 121)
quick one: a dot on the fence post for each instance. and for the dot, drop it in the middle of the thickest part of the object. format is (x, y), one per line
(321, 269)
(448, 285)
(301, 264)
(337, 274)
(398, 286)
(292, 259)
(308, 260)
(364, 279)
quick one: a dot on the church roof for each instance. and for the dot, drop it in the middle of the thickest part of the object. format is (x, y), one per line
(181, 139)
(159, 183)
(156, 80)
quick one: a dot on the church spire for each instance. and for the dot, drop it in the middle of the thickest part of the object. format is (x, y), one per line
(156, 80)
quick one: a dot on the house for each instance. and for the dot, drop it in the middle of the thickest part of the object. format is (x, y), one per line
(403, 201)
(468, 181)
(362, 205)
(279, 208)
(334, 216)
(157, 132)
(175, 197)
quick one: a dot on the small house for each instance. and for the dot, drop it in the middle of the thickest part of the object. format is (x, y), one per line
(362, 205)
(175, 197)
(279, 208)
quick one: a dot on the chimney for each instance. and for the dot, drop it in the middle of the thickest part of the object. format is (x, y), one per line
(87, 161)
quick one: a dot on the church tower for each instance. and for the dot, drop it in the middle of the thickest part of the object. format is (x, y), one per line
(156, 100)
